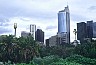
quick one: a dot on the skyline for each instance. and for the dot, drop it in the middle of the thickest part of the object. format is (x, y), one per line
(38, 12)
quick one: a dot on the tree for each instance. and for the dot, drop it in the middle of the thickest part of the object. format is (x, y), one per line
(21, 49)
(86, 49)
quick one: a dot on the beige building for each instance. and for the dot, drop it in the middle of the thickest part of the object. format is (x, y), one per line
(53, 41)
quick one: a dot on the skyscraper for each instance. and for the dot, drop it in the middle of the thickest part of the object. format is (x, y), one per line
(90, 29)
(94, 30)
(39, 36)
(33, 30)
(81, 31)
(85, 31)
(64, 23)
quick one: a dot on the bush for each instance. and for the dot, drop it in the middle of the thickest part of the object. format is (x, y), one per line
(65, 63)
(82, 60)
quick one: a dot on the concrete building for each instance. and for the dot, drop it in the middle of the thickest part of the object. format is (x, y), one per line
(25, 34)
(39, 35)
(61, 38)
(53, 41)
(64, 23)
(33, 30)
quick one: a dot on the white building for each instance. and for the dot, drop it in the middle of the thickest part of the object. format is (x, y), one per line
(75, 42)
(33, 30)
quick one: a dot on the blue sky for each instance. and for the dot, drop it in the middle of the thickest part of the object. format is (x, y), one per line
(43, 13)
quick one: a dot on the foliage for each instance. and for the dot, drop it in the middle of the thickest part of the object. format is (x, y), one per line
(82, 60)
(21, 49)
(87, 49)
(61, 51)
(25, 51)
(56, 60)
(46, 60)
(65, 63)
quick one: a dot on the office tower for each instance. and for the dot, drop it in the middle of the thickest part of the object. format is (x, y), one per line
(25, 34)
(94, 30)
(33, 30)
(39, 36)
(90, 29)
(64, 23)
(81, 31)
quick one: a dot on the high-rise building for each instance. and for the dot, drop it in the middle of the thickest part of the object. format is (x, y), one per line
(90, 29)
(33, 30)
(81, 31)
(94, 30)
(64, 23)
(85, 31)
(39, 36)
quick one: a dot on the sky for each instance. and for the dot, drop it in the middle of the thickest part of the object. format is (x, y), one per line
(43, 13)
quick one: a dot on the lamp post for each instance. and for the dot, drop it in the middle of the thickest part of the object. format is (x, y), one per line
(15, 26)
(75, 32)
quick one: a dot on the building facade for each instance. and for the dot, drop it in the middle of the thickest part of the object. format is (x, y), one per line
(47, 42)
(94, 30)
(85, 31)
(39, 36)
(53, 41)
(61, 38)
(64, 23)
(25, 34)
(90, 29)
(81, 31)
(33, 30)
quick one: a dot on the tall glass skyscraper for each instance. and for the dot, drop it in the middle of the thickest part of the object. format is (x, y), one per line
(64, 23)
